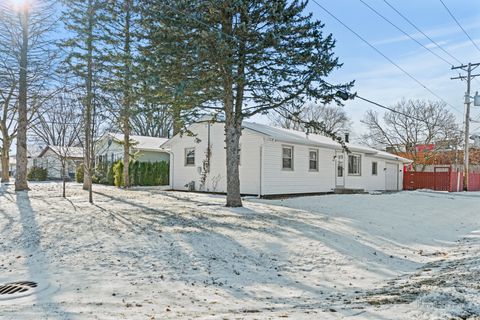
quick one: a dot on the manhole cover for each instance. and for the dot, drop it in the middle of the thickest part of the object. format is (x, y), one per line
(17, 289)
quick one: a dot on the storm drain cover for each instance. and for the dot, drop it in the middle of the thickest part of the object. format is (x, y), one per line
(17, 289)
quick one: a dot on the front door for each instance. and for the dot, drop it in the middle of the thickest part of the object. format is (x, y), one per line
(339, 169)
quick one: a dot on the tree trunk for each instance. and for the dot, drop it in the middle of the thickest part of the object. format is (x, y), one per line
(177, 120)
(87, 175)
(232, 135)
(63, 178)
(233, 121)
(126, 153)
(5, 160)
(127, 96)
(21, 172)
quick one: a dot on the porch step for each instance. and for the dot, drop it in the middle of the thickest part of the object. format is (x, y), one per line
(348, 191)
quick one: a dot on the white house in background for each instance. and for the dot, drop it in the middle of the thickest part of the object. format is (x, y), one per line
(109, 148)
(51, 159)
(33, 151)
(280, 161)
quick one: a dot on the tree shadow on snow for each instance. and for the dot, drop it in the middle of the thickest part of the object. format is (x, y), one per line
(36, 261)
(205, 254)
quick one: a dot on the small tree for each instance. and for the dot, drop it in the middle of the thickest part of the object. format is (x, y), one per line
(415, 122)
(60, 125)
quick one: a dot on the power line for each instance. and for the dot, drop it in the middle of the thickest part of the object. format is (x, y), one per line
(349, 96)
(404, 32)
(386, 57)
(423, 33)
(458, 23)
(389, 109)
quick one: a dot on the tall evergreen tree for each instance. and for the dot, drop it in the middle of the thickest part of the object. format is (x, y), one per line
(121, 49)
(83, 20)
(242, 58)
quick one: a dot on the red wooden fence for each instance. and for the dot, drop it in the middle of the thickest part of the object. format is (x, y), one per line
(442, 179)
(474, 182)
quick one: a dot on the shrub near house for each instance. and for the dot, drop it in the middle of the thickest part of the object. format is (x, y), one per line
(141, 173)
(37, 174)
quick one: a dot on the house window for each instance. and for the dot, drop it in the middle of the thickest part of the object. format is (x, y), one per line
(287, 158)
(374, 168)
(190, 156)
(354, 164)
(313, 156)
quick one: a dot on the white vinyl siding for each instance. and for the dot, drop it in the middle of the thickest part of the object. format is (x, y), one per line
(276, 180)
(354, 164)
(216, 180)
(261, 169)
(287, 158)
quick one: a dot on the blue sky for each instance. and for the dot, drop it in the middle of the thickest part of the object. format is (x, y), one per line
(379, 80)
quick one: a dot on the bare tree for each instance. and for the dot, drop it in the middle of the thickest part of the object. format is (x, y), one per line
(27, 58)
(333, 117)
(60, 125)
(414, 123)
(152, 120)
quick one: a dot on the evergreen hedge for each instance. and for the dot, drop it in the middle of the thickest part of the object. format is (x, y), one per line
(141, 173)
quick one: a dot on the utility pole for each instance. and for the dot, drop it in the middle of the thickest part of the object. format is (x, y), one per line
(468, 68)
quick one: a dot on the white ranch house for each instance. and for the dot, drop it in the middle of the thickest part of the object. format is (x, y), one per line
(109, 148)
(275, 161)
(51, 159)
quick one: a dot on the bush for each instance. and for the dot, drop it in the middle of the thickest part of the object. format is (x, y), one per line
(101, 173)
(118, 173)
(37, 174)
(141, 173)
(110, 176)
(79, 173)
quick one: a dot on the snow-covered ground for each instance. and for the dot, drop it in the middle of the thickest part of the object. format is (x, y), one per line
(153, 254)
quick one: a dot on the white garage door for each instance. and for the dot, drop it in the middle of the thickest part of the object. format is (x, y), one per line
(391, 176)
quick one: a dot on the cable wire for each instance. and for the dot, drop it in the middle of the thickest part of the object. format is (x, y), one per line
(404, 32)
(385, 56)
(423, 33)
(458, 23)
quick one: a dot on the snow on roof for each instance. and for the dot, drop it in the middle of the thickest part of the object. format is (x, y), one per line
(34, 150)
(142, 142)
(299, 137)
(68, 152)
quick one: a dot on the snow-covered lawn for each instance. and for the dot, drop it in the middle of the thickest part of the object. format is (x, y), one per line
(153, 254)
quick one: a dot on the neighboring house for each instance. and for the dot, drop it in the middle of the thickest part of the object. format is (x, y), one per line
(109, 148)
(279, 161)
(33, 151)
(51, 159)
